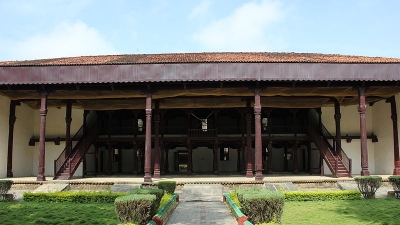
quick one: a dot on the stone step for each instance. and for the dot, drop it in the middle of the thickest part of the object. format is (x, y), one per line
(124, 187)
(51, 187)
(288, 186)
(201, 192)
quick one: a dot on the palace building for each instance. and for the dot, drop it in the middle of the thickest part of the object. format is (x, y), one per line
(199, 113)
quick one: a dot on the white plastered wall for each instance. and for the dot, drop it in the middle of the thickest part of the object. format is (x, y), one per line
(55, 127)
(383, 128)
(23, 129)
(350, 125)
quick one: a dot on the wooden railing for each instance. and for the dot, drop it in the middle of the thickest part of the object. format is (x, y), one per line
(202, 132)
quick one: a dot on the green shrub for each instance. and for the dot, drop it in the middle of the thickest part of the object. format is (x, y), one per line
(321, 195)
(137, 208)
(150, 191)
(395, 181)
(261, 205)
(368, 185)
(5, 186)
(69, 196)
(167, 186)
(164, 200)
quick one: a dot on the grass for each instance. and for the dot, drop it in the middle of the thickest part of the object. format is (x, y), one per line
(372, 211)
(57, 213)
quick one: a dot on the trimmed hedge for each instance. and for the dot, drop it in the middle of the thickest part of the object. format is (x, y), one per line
(136, 208)
(69, 196)
(395, 181)
(322, 195)
(5, 186)
(368, 185)
(150, 191)
(167, 186)
(261, 205)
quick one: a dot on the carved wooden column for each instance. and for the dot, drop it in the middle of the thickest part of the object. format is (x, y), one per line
(362, 108)
(157, 144)
(249, 151)
(166, 160)
(215, 164)
(258, 139)
(42, 136)
(189, 160)
(296, 156)
(147, 149)
(11, 122)
(135, 158)
(392, 101)
(135, 144)
(270, 171)
(337, 117)
(319, 111)
(109, 158)
(68, 121)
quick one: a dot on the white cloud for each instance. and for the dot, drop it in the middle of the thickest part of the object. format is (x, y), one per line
(248, 28)
(202, 7)
(67, 39)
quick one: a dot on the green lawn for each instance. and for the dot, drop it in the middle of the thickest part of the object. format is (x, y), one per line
(57, 213)
(373, 211)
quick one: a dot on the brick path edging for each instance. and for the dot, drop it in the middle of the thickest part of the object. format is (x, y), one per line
(163, 214)
(240, 217)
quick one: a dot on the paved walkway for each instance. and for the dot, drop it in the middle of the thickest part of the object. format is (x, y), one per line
(202, 204)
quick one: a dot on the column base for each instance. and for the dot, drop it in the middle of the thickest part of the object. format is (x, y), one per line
(40, 178)
(396, 170)
(147, 178)
(259, 176)
(157, 174)
(365, 172)
(249, 173)
(10, 174)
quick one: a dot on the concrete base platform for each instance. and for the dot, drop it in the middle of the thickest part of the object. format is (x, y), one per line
(201, 192)
(51, 187)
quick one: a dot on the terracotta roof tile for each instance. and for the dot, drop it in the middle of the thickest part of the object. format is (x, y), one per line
(217, 57)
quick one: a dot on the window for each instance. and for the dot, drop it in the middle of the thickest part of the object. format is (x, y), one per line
(224, 154)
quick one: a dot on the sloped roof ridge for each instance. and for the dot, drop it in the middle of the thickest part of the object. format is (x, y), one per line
(205, 57)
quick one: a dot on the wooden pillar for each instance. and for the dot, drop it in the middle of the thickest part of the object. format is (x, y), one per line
(162, 158)
(157, 141)
(319, 111)
(243, 147)
(294, 112)
(85, 113)
(68, 121)
(296, 156)
(96, 158)
(42, 136)
(258, 139)
(11, 122)
(147, 149)
(270, 171)
(337, 117)
(135, 158)
(249, 152)
(215, 151)
(238, 161)
(120, 160)
(109, 158)
(362, 108)
(392, 101)
(166, 160)
(189, 160)
(309, 157)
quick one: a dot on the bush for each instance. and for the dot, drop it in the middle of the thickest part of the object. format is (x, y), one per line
(69, 196)
(261, 205)
(137, 209)
(368, 185)
(167, 186)
(150, 191)
(5, 186)
(395, 181)
(321, 195)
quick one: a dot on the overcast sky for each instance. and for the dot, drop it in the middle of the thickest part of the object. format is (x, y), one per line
(35, 29)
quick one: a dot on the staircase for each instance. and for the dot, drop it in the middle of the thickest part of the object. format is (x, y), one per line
(337, 161)
(66, 165)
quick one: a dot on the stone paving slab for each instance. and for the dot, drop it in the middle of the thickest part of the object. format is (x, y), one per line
(380, 193)
(287, 186)
(124, 187)
(51, 187)
(201, 192)
(201, 213)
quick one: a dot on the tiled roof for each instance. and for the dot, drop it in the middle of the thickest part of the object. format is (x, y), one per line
(239, 57)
